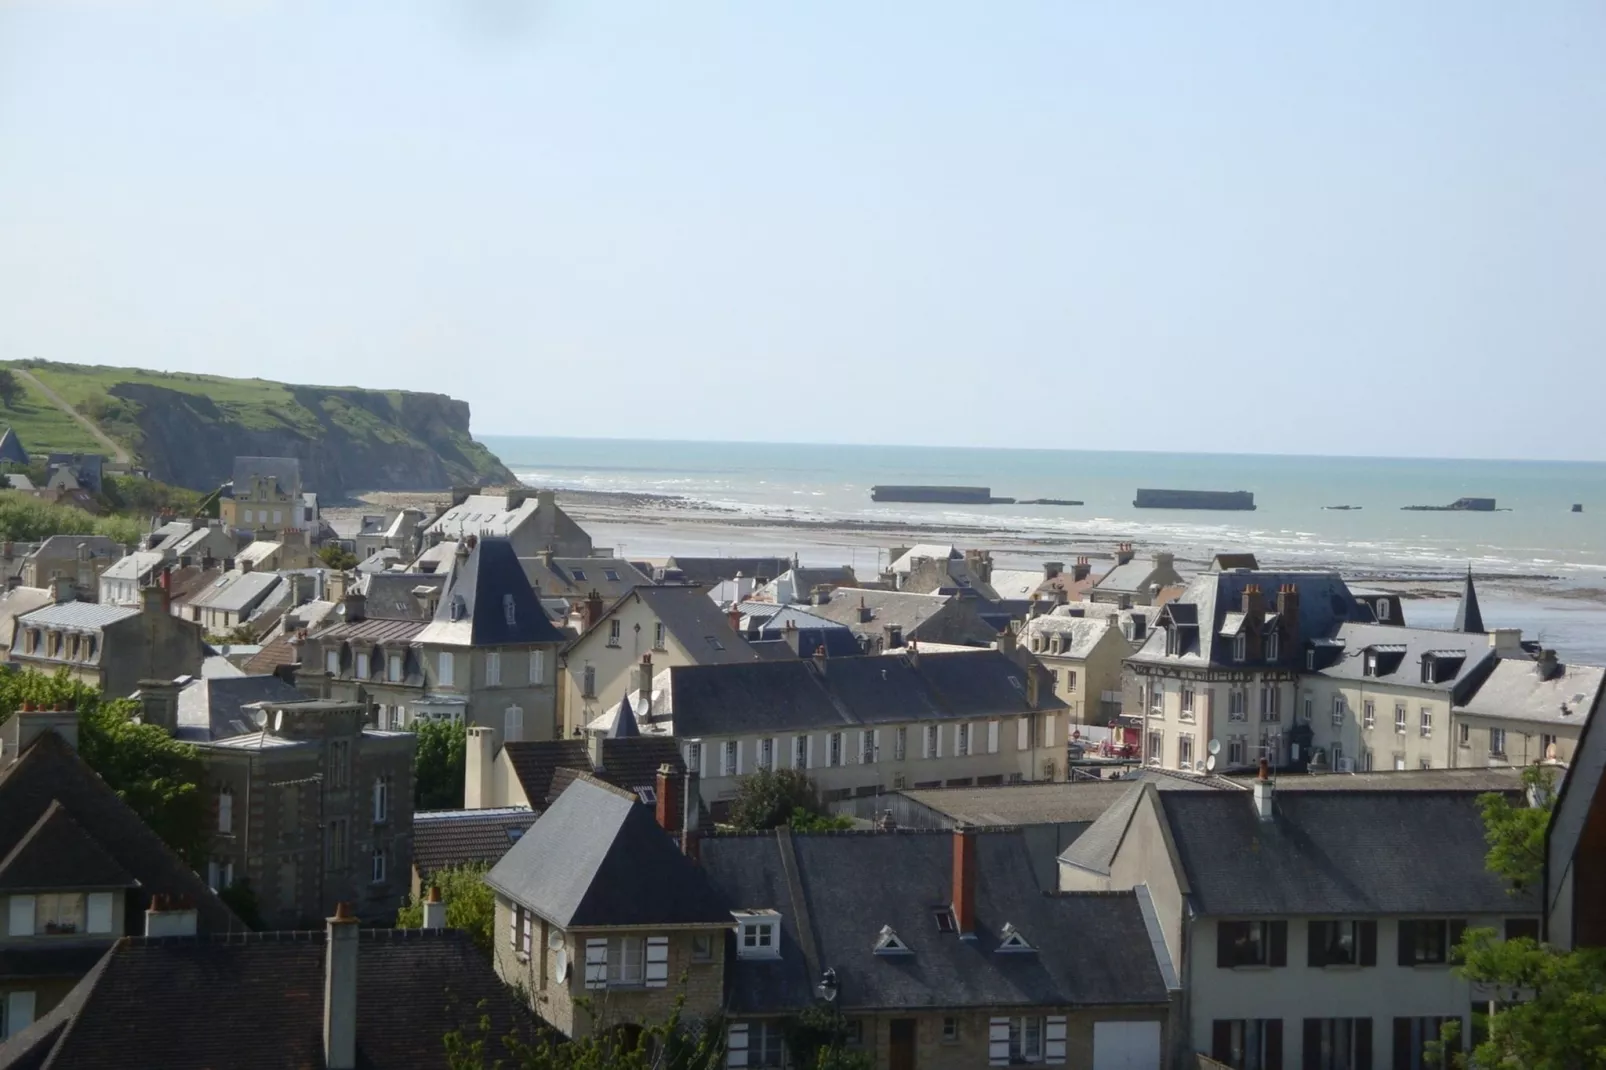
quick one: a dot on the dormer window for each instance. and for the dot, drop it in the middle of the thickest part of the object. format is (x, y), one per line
(1173, 641)
(1012, 940)
(1370, 668)
(1240, 647)
(758, 934)
(888, 943)
(509, 613)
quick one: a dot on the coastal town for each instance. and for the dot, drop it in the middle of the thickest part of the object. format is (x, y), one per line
(290, 784)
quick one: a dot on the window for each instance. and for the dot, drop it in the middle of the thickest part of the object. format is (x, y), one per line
(1237, 704)
(1338, 711)
(1522, 929)
(381, 799)
(728, 767)
(362, 665)
(1026, 1040)
(1272, 651)
(627, 961)
(331, 662)
(493, 669)
(1310, 709)
(900, 743)
(1271, 702)
(337, 843)
(1240, 647)
(1427, 721)
(537, 667)
(393, 668)
(1369, 664)
(526, 934)
(1497, 742)
(613, 632)
(702, 947)
(611, 575)
(1248, 1043)
(225, 811)
(1428, 942)
(1546, 742)
(757, 936)
(1366, 760)
(834, 754)
(800, 752)
(1157, 698)
(1411, 1038)
(853, 1033)
(950, 1029)
(1338, 1043)
(1185, 751)
(444, 668)
(278, 516)
(1156, 752)
(1399, 761)
(867, 753)
(944, 918)
(1342, 943)
(339, 762)
(578, 573)
(933, 742)
(714, 642)
(510, 612)
(1383, 609)
(515, 928)
(1236, 746)
(1070, 680)
(1399, 718)
(1251, 943)
(1368, 713)
(766, 753)
(962, 741)
(58, 913)
(766, 1045)
(588, 682)
(1187, 703)
(379, 866)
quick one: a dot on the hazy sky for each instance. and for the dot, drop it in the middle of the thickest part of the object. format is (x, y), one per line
(1277, 227)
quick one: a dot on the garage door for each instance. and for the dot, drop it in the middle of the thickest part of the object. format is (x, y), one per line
(1126, 1046)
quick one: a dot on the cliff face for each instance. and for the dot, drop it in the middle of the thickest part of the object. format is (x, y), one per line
(347, 440)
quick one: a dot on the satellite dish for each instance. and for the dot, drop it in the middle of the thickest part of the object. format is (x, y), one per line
(1214, 748)
(1210, 762)
(261, 718)
(561, 966)
(554, 940)
(278, 720)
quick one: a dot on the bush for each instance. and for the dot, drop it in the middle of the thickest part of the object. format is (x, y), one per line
(773, 797)
(470, 906)
(439, 764)
(27, 519)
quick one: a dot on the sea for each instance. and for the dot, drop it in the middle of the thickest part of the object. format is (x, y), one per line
(1543, 566)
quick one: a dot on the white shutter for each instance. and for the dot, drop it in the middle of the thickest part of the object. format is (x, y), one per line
(852, 750)
(213, 873)
(657, 961)
(810, 754)
(1048, 730)
(992, 737)
(99, 917)
(925, 742)
(998, 1042)
(939, 740)
(19, 1012)
(512, 725)
(736, 1045)
(875, 744)
(597, 963)
(1054, 1039)
(1023, 733)
(738, 757)
(22, 915)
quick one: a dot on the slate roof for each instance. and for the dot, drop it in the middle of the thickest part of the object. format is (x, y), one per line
(286, 470)
(444, 838)
(1404, 667)
(211, 708)
(1324, 603)
(59, 546)
(77, 616)
(1015, 583)
(1095, 848)
(390, 594)
(1475, 780)
(598, 858)
(487, 601)
(134, 566)
(11, 451)
(627, 763)
(711, 570)
(237, 592)
(688, 614)
(49, 772)
(1023, 804)
(1514, 690)
(919, 616)
(579, 576)
(816, 693)
(934, 550)
(255, 1002)
(58, 853)
(1065, 636)
(484, 515)
(1093, 948)
(1468, 615)
(1342, 853)
(186, 582)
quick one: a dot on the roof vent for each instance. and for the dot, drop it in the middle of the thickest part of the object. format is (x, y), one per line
(888, 943)
(1012, 940)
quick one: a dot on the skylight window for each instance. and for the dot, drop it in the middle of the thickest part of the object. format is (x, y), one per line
(579, 574)
(715, 643)
(944, 918)
(1011, 940)
(888, 943)
(611, 575)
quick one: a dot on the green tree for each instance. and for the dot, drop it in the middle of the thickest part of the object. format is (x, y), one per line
(470, 906)
(157, 776)
(242, 899)
(670, 1044)
(10, 388)
(336, 557)
(772, 797)
(438, 764)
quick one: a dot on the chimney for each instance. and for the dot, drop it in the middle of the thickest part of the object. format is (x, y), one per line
(1123, 553)
(734, 615)
(28, 724)
(517, 496)
(1254, 609)
(594, 750)
(866, 614)
(1547, 666)
(1507, 642)
(1163, 560)
(479, 770)
(62, 589)
(892, 636)
(153, 599)
(1081, 570)
(690, 816)
(158, 704)
(434, 909)
(644, 686)
(170, 916)
(821, 595)
(964, 904)
(340, 991)
(1052, 569)
(1288, 617)
(671, 814)
(1263, 791)
(1007, 641)
(592, 611)
(355, 605)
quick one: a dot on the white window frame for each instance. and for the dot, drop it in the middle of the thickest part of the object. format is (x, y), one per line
(962, 740)
(730, 757)
(1399, 718)
(1237, 704)
(900, 743)
(766, 753)
(380, 867)
(225, 810)
(867, 748)
(395, 665)
(537, 667)
(1185, 750)
(613, 632)
(1497, 742)
(658, 635)
(1187, 702)
(513, 724)
(1368, 713)
(362, 665)
(833, 749)
(493, 669)
(446, 668)
(758, 935)
(331, 661)
(800, 752)
(627, 961)
(381, 799)
(1338, 711)
(1425, 722)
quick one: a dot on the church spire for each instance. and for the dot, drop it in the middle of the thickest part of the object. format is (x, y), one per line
(1469, 618)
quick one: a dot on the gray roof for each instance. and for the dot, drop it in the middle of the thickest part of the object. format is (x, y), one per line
(1024, 804)
(1339, 853)
(286, 470)
(237, 592)
(134, 566)
(1406, 648)
(1015, 583)
(1132, 576)
(1324, 603)
(484, 514)
(67, 546)
(1081, 633)
(1515, 691)
(598, 858)
(1468, 616)
(930, 617)
(390, 594)
(1092, 948)
(817, 693)
(487, 601)
(82, 616)
(934, 551)
(697, 623)
(1498, 778)
(16, 602)
(579, 576)
(209, 708)
(1094, 850)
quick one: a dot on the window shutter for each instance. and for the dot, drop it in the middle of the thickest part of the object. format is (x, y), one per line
(875, 744)
(19, 1012)
(736, 1045)
(1274, 1042)
(1316, 950)
(22, 915)
(1402, 1042)
(512, 725)
(98, 918)
(1221, 1040)
(810, 752)
(1458, 928)
(925, 742)
(998, 1042)
(1368, 943)
(1405, 943)
(1048, 729)
(1023, 733)
(1363, 1042)
(1223, 946)
(992, 737)
(597, 963)
(738, 757)
(1279, 946)
(657, 961)
(1313, 1044)
(1054, 1039)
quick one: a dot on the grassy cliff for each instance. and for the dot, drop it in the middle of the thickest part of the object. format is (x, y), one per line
(187, 429)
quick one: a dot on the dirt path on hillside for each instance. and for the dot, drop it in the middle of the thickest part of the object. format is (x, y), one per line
(117, 452)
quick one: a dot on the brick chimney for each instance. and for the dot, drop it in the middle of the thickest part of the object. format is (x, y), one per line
(1288, 617)
(592, 611)
(689, 818)
(1254, 609)
(355, 604)
(670, 811)
(1006, 642)
(434, 909)
(1081, 570)
(170, 916)
(964, 904)
(734, 615)
(1123, 553)
(340, 991)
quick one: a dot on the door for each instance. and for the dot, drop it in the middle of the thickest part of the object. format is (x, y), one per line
(1126, 1046)
(901, 1054)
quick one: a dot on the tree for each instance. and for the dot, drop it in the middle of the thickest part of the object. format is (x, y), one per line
(438, 764)
(470, 906)
(10, 388)
(772, 797)
(158, 776)
(670, 1044)
(1554, 1017)
(242, 899)
(334, 556)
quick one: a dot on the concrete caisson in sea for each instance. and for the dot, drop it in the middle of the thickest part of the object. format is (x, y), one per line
(1194, 499)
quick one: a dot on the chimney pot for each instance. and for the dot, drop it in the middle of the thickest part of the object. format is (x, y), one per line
(1263, 791)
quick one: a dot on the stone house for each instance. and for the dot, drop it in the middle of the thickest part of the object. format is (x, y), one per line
(1527, 710)
(80, 558)
(890, 620)
(237, 598)
(1136, 583)
(110, 647)
(121, 582)
(308, 803)
(1303, 936)
(533, 774)
(194, 542)
(267, 493)
(530, 520)
(602, 919)
(77, 869)
(1084, 656)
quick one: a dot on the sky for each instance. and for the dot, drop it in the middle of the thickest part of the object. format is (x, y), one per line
(1358, 228)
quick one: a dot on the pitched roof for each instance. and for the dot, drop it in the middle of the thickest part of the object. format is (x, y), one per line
(579, 576)
(80, 616)
(281, 651)
(1408, 646)
(487, 601)
(692, 618)
(1343, 852)
(711, 570)
(1023, 804)
(1095, 848)
(937, 617)
(50, 771)
(1092, 948)
(11, 450)
(134, 566)
(1468, 617)
(444, 838)
(255, 1001)
(484, 515)
(628, 763)
(286, 470)
(1515, 690)
(237, 592)
(1324, 603)
(598, 858)
(16, 602)
(1066, 636)
(67, 546)
(211, 708)
(58, 853)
